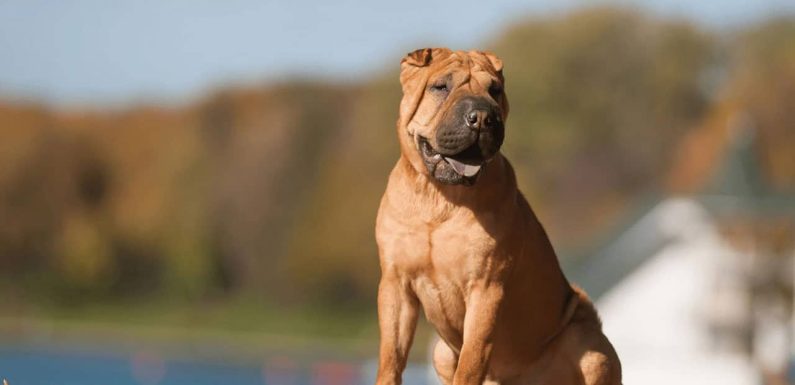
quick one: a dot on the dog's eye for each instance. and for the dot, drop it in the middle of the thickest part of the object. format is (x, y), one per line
(495, 90)
(440, 87)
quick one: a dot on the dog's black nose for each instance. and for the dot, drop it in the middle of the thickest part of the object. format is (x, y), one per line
(472, 118)
(480, 118)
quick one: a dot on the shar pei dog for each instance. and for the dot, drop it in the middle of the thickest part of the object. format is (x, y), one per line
(458, 240)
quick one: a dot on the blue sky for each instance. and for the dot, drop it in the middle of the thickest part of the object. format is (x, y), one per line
(116, 52)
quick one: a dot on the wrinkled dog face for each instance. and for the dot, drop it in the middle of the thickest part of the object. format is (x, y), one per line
(453, 110)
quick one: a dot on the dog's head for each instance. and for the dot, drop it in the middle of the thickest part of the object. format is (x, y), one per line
(452, 113)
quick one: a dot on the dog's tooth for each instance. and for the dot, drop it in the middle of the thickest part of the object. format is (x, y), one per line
(437, 157)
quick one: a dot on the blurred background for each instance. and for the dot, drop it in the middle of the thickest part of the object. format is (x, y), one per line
(188, 188)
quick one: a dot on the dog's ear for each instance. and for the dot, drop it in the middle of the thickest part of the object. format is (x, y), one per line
(495, 61)
(417, 58)
(413, 62)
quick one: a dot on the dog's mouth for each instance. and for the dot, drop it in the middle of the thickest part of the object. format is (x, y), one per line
(461, 168)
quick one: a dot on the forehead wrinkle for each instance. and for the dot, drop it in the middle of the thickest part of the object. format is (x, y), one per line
(435, 113)
(474, 71)
(469, 72)
(475, 79)
(457, 76)
(421, 97)
(451, 60)
(465, 78)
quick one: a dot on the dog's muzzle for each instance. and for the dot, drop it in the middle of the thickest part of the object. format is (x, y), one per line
(469, 135)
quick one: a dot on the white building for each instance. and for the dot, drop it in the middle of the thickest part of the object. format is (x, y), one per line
(661, 317)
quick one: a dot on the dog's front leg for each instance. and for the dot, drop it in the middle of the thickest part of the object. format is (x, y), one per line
(397, 319)
(479, 324)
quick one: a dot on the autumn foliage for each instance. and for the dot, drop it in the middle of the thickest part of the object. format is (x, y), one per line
(273, 189)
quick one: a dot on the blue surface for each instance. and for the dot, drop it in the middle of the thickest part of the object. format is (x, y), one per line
(48, 368)
(34, 366)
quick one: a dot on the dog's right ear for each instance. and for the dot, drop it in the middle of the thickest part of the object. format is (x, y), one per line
(417, 58)
(413, 62)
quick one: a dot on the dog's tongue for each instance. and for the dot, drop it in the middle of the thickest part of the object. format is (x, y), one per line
(461, 168)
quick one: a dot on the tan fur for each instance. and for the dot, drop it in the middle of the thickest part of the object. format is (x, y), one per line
(476, 259)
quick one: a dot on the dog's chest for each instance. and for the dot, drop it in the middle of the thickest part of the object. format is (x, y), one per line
(441, 263)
